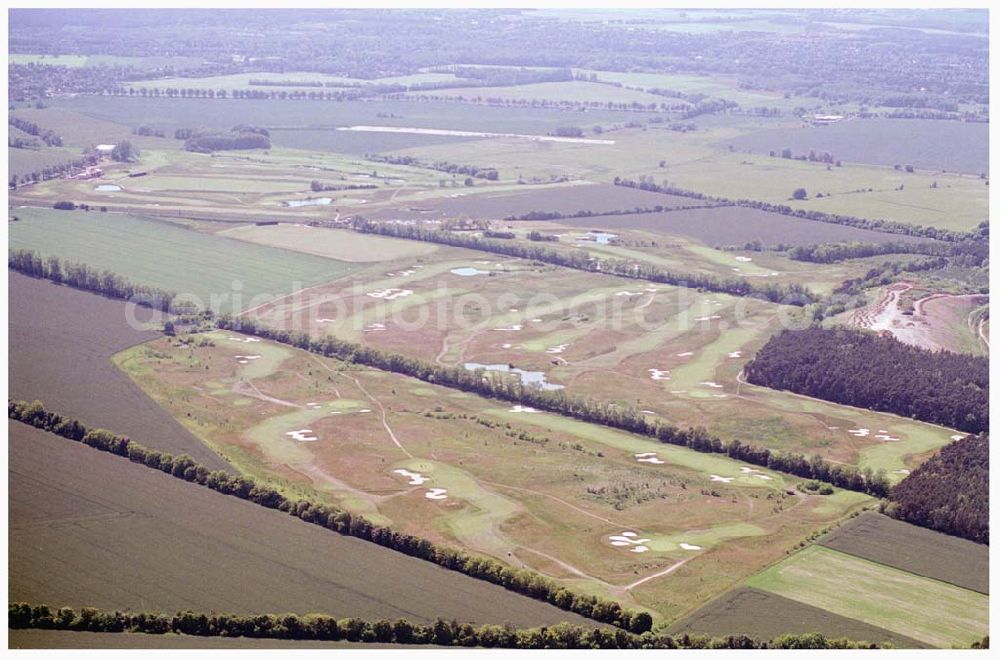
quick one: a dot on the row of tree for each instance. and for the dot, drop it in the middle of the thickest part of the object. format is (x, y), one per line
(556, 215)
(238, 138)
(884, 226)
(82, 276)
(791, 294)
(950, 492)
(518, 580)
(507, 387)
(320, 627)
(488, 173)
(47, 136)
(877, 372)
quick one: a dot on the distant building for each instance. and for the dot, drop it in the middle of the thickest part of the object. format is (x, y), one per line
(827, 119)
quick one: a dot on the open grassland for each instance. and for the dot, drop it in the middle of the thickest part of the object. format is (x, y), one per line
(674, 352)
(766, 615)
(925, 144)
(233, 274)
(936, 613)
(345, 246)
(121, 535)
(25, 161)
(914, 549)
(61, 341)
(718, 87)
(531, 489)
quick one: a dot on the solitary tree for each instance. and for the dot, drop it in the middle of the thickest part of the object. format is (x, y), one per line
(800, 193)
(124, 152)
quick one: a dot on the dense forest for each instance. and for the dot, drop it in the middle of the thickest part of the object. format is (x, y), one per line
(871, 371)
(521, 581)
(322, 627)
(792, 294)
(950, 492)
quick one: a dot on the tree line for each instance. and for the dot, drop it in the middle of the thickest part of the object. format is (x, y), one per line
(556, 215)
(47, 136)
(950, 492)
(884, 226)
(82, 276)
(321, 627)
(488, 173)
(790, 294)
(505, 387)
(522, 581)
(872, 371)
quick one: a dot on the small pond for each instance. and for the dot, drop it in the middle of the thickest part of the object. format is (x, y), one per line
(536, 378)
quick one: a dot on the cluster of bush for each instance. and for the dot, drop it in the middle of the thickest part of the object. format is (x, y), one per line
(343, 522)
(319, 627)
(488, 173)
(238, 137)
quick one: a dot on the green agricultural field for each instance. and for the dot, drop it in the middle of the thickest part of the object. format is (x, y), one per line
(233, 274)
(933, 612)
(342, 245)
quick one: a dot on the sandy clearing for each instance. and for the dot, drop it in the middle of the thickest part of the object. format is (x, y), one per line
(444, 131)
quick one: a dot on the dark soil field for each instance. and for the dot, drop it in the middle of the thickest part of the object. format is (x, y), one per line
(91, 529)
(926, 144)
(67, 639)
(765, 616)
(599, 198)
(733, 225)
(60, 344)
(907, 547)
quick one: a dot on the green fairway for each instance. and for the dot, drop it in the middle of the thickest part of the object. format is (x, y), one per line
(227, 275)
(934, 612)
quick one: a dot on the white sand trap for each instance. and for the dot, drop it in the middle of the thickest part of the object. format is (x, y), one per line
(415, 478)
(407, 273)
(736, 270)
(437, 494)
(708, 318)
(364, 410)
(724, 480)
(629, 293)
(744, 259)
(324, 320)
(518, 408)
(735, 354)
(337, 412)
(957, 436)
(650, 289)
(901, 472)
(649, 457)
(720, 396)
(686, 354)
(885, 437)
(302, 435)
(764, 476)
(747, 470)
(512, 310)
(647, 412)
(625, 539)
(536, 320)
(245, 340)
(482, 262)
(646, 454)
(639, 548)
(390, 294)
(513, 328)
(710, 383)
(678, 391)
(555, 350)
(659, 374)
(860, 433)
(374, 327)
(689, 546)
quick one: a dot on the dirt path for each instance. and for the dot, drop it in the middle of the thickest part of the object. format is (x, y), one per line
(982, 335)
(666, 571)
(247, 388)
(569, 567)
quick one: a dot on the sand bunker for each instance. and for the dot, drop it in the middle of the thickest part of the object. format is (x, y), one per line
(659, 374)
(754, 472)
(506, 345)
(416, 479)
(437, 494)
(724, 480)
(710, 383)
(689, 546)
(720, 396)
(708, 318)
(536, 320)
(735, 354)
(744, 259)
(390, 294)
(629, 293)
(686, 354)
(649, 457)
(901, 472)
(374, 327)
(885, 437)
(518, 408)
(555, 350)
(859, 433)
(647, 412)
(513, 328)
(325, 320)
(245, 340)
(302, 435)
(957, 436)
(626, 539)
